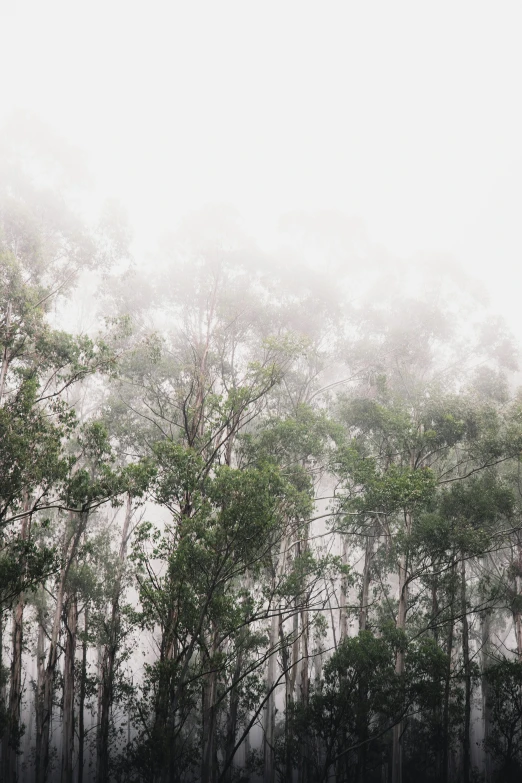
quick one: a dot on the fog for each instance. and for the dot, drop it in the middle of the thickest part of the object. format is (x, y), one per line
(404, 115)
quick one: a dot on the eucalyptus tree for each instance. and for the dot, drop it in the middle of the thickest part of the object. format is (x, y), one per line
(414, 429)
(44, 250)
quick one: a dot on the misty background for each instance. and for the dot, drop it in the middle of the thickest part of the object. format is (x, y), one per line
(403, 117)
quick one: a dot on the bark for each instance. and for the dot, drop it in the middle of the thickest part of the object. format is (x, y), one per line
(108, 664)
(68, 690)
(466, 758)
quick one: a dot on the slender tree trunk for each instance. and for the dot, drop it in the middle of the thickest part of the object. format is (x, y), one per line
(343, 619)
(12, 733)
(447, 688)
(232, 716)
(366, 578)
(303, 766)
(517, 614)
(11, 737)
(486, 692)
(5, 352)
(269, 721)
(398, 729)
(68, 690)
(362, 729)
(81, 705)
(42, 751)
(466, 749)
(48, 688)
(269, 710)
(38, 702)
(290, 671)
(108, 663)
(209, 720)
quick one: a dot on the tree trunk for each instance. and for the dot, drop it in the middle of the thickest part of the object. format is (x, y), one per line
(486, 692)
(304, 692)
(269, 718)
(11, 737)
(447, 690)
(5, 352)
(269, 710)
(81, 705)
(108, 663)
(398, 729)
(232, 716)
(466, 759)
(366, 578)
(517, 614)
(68, 690)
(209, 721)
(343, 619)
(42, 751)
(38, 705)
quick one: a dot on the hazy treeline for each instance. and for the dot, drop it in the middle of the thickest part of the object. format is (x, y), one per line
(264, 521)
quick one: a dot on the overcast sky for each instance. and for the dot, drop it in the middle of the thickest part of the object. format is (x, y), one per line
(405, 114)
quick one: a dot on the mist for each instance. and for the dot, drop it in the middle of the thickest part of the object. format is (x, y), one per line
(260, 402)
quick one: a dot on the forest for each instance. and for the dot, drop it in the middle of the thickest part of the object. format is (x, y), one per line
(260, 513)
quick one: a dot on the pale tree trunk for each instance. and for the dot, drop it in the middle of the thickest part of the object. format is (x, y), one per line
(304, 691)
(38, 705)
(233, 716)
(81, 705)
(269, 710)
(363, 619)
(11, 736)
(343, 619)
(42, 750)
(68, 690)
(290, 674)
(366, 578)
(398, 729)
(108, 662)
(304, 684)
(269, 721)
(466, 746)
(209, 719)
(447, 688)
(5, 353)
(486, 691)
(517, 614)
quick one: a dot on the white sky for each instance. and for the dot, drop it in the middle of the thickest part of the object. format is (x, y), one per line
(406, 114)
